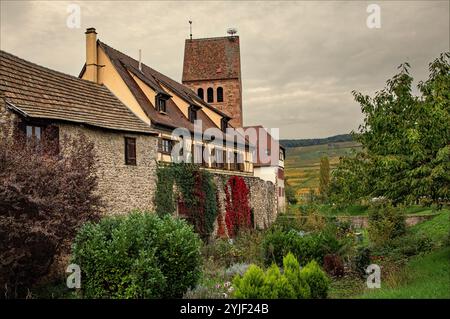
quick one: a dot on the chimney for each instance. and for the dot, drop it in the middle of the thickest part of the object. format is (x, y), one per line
(91, 55)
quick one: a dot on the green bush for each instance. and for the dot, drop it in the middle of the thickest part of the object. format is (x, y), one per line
(139, 255)
(361, 260)
(316, 279)
(309, 282)
(385, 223)
(305, 247)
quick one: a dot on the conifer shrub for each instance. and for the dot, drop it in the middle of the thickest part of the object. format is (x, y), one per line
(290, 283)
(316, 279)
(139, 255)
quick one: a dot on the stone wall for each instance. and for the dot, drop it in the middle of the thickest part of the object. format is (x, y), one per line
(122, 187)
(263, 199)
(363, 221)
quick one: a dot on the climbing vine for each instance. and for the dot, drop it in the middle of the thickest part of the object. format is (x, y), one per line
(195, 195)
(237, 207)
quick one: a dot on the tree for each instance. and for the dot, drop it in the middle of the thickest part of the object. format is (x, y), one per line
(324, 178)
(290, 193)
(405, 139)
(44, 197)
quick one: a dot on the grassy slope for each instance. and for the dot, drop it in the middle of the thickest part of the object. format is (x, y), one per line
(426, 276)
(303, 163)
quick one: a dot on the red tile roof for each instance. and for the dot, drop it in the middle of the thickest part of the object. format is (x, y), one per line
(211, 59)
(38, 92)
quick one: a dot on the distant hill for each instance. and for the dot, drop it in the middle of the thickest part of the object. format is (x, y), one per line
(316, 141)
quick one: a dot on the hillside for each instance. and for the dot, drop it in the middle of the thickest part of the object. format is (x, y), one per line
(316, 141)
(303, 163)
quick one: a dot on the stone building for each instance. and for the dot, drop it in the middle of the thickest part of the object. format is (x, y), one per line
(129, 110)
(33, 98)
(212, 69)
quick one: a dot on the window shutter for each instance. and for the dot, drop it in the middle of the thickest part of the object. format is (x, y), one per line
(130, 151)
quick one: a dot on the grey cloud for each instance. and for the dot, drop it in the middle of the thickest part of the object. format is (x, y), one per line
(300, 60)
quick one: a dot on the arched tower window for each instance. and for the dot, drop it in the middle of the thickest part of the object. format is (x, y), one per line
(200, 93)
(219, 94)
(210, 93)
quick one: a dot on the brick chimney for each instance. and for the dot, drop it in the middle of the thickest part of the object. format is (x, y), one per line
(91, 55)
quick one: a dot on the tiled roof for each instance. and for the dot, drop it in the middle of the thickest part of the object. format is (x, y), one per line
(39, 92)
(174, 117)
(211, 59)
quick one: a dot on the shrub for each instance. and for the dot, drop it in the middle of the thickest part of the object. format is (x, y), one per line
(385, 223)
(45, 195)
(250, 285)
(292, 273)
(406, 246)
(333, 265)
(317, 280)
(362, 260)
(309, 282)
(236, 269)
(222, 251)
(137, 256)
(305, 247)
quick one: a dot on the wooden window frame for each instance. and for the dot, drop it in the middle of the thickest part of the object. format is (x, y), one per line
(129, 158)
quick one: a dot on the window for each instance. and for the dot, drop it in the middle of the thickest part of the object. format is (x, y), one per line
(33, 132)
(281, 155)
(130, 151)
(224, 124)
(210, 93)
(165, 146)
(219, 94)
(280, 173)
(200, 93)
(160, 103)
(192, 113)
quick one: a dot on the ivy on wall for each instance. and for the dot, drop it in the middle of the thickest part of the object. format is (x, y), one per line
(195, 195)
(237, 207)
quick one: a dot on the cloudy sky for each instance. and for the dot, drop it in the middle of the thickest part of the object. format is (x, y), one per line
(300, 60)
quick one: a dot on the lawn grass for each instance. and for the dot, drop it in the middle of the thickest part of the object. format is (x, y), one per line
(437, 228)
(425, 276)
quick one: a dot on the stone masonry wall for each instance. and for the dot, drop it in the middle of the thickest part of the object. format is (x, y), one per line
(263, 199)
(232, 97)
(122, 187)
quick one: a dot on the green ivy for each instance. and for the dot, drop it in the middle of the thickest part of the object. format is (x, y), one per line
(195, 192)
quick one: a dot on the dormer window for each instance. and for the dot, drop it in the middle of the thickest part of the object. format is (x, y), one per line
(160, 103)
(192, 113)
(224, 124)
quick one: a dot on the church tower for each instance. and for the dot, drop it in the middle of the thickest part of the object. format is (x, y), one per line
(212, 69)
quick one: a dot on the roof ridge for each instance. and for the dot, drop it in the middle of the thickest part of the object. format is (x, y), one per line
(214, 38)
